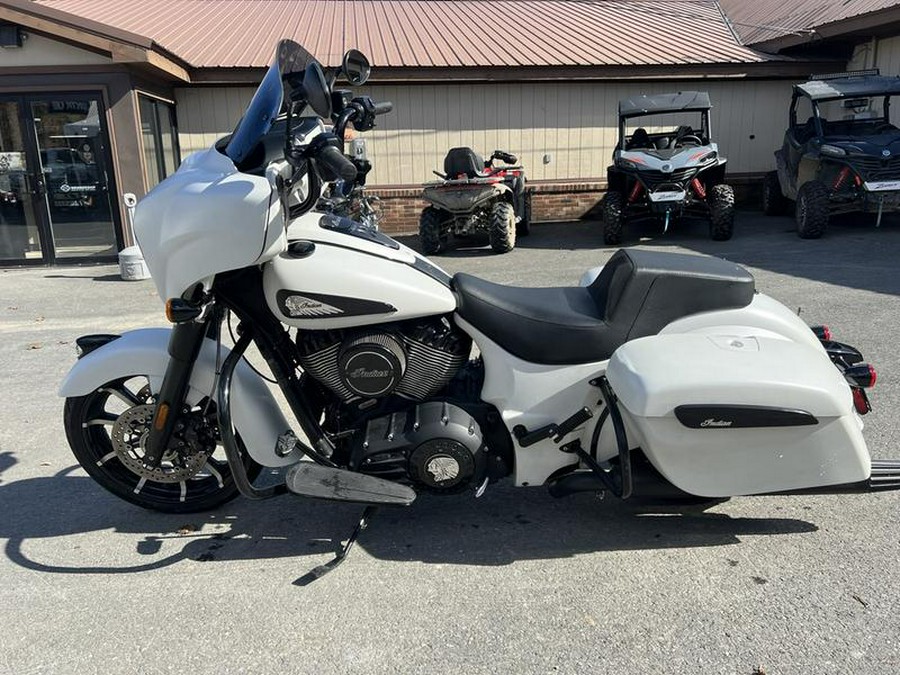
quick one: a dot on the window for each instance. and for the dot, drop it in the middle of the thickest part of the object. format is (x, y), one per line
(160, 137)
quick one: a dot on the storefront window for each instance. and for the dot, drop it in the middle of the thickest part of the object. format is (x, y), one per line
(160, 137)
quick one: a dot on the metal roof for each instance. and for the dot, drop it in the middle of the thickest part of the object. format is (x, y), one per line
(768, 20)
(663, 103)
(431, 33)
(871, 85)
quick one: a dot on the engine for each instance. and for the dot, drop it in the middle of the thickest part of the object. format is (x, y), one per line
(435, 445)
(414, 359)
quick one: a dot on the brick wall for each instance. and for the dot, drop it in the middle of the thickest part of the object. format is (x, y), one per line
(550, 201)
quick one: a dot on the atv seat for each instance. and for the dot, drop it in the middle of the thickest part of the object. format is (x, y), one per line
(637, 294)
(463, 161)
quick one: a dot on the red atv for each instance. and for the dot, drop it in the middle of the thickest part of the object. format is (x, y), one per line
(475, 196)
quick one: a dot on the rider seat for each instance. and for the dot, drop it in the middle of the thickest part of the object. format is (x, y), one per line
(636, 294)
(463, 161)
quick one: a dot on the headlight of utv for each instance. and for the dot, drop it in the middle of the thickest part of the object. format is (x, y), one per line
(832, 150)
(628, 164)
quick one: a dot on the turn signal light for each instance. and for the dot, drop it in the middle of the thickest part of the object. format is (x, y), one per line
(822, 332)
(861, 375)
(179, 311)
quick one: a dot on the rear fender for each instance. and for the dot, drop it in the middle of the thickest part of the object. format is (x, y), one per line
(257, 417)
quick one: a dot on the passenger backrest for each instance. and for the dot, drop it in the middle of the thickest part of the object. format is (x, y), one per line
(463, 161)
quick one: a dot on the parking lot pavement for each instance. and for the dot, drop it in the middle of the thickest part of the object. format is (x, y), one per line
(514, 582)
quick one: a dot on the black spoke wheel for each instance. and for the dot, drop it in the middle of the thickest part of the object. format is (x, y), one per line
(106, 430)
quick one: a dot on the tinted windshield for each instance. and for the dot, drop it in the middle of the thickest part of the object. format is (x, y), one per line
(267, 102)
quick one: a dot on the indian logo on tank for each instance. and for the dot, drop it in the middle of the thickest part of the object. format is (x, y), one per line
(713, 422)
(298, 305)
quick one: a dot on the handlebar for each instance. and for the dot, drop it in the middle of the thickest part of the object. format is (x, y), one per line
(383, 108)
(336, 162)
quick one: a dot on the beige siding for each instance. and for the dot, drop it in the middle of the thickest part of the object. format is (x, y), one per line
(573, 125)
(40, 51)
(886, 56)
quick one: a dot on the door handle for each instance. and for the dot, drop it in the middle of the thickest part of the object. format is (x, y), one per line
(35, 184)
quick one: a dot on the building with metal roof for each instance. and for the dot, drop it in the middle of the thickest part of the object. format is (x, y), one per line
(540, 78)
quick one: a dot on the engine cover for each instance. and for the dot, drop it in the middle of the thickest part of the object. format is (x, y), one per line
(414, 359)
(435, 445)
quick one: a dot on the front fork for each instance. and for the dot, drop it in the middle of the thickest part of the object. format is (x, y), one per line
(184, 347)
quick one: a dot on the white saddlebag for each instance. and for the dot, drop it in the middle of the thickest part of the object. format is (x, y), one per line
(727, 415)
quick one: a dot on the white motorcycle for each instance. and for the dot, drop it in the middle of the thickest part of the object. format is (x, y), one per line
(661, 375)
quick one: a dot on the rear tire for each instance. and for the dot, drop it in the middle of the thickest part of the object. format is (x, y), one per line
(812, 210)
(503, 228)
(613, 218)
(432, 237)
(721, 212)
(773, 201)
(523, 228)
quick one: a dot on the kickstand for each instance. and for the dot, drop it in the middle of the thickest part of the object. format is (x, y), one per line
(322, 570)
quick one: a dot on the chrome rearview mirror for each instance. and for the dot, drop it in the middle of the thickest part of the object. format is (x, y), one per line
(356, 67)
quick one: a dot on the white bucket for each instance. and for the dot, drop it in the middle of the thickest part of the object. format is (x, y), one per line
(131, 264)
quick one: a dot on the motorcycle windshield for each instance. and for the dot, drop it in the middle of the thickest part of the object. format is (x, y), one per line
(267, 102)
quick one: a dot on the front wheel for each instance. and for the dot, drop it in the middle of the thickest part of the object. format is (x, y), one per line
(721, 212)
(107, 430)
(812, 210)
(502, 230)
(773, 201)
(613, 218)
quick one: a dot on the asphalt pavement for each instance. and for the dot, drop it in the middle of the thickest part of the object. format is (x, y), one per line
(515, 582)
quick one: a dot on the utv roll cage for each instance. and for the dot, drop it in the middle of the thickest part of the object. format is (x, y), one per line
(683, 101)
(837, 86)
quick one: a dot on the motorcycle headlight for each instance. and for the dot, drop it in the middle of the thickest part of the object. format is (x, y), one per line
(832, 150)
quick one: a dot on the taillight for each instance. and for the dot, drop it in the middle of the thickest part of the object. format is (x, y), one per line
(861, 401)
(861, 375)
(822, 332)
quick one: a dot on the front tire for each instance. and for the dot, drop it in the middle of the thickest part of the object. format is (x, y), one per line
(773, 201)
(721, 212)
(432, 236)
(93, 421)
(502, 231)
(812, 210)
(613, 218)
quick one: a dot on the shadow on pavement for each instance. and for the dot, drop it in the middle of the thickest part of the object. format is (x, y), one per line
(7, 460)
(506, 525)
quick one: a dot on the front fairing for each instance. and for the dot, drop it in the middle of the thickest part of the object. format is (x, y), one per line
(205, 219)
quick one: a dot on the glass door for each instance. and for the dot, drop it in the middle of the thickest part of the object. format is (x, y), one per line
(20, 189)
(73, 153)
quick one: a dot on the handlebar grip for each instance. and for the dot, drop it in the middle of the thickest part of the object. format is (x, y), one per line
(383, 107)
(335, 161)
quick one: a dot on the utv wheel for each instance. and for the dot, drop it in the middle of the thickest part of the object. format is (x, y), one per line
(773, 202)
(523, 227)
(105, 430)
(432, 237)
(721, 212)
(503, 228)
(613, 217)
(812, 210)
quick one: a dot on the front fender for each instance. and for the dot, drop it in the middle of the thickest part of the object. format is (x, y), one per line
(257, 417)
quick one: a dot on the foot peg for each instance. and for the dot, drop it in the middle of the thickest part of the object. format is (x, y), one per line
(321, 482)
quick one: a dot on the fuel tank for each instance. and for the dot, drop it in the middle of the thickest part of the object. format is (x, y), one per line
(322, 285)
